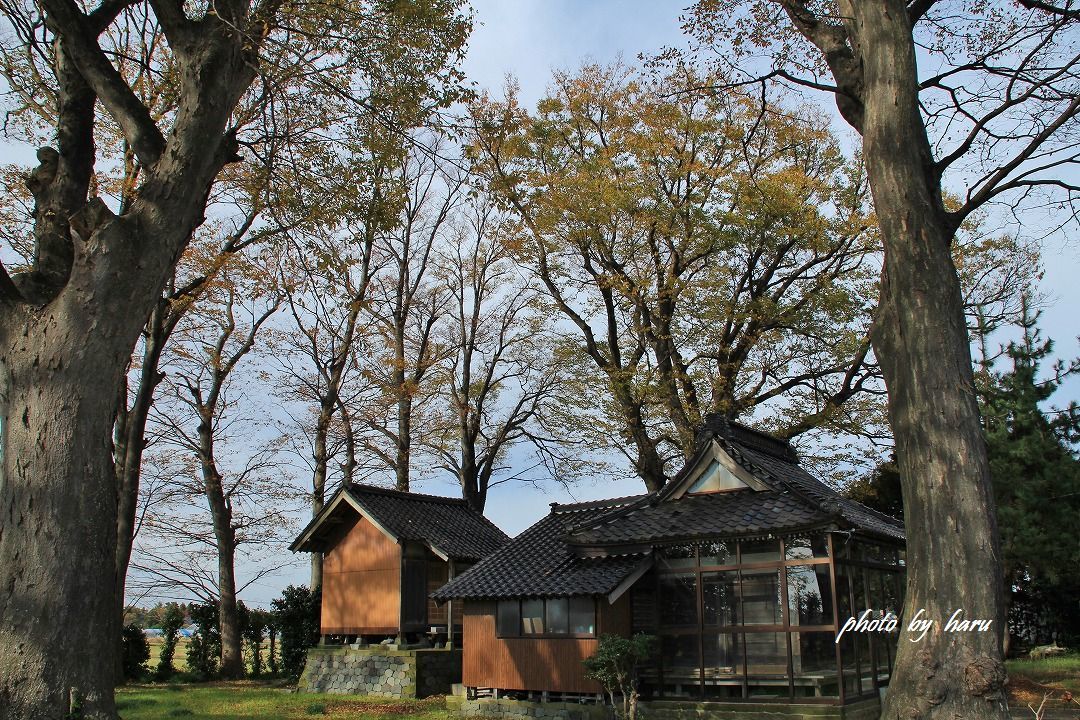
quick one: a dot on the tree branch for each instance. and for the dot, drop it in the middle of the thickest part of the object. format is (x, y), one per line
(75, 33)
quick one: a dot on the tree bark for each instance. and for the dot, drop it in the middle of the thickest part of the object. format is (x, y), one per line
(920, 339)
(57, 511)
(67, 330)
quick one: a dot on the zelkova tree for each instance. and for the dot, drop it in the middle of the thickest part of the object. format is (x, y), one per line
(502, 370)
(708, 257)
(981, 97)
(69, 325)
(71, 319)
(245, 498)
(406, 304)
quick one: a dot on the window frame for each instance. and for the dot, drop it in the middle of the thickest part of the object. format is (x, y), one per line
(521, 635)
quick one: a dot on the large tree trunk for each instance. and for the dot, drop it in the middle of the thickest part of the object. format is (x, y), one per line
(921, 341)
(57, 510)
(67, 330)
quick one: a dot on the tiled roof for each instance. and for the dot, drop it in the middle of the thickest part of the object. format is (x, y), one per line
(447, 525)
(589, 548)
(727, 514)
(539, 563)
(828, 500)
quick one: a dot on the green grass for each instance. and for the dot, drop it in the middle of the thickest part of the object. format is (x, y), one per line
(242, 700)
(1062, 671)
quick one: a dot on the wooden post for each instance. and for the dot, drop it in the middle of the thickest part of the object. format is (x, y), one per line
(450, 608)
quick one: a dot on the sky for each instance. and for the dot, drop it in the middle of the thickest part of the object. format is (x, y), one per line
(530, 38)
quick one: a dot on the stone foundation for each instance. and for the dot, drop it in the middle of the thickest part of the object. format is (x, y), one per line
(380, 671)
(502, 709)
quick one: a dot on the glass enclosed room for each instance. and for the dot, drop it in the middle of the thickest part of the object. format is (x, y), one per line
(758, 618)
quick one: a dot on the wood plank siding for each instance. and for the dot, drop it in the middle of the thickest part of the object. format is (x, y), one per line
(361, 582)
(537, 664)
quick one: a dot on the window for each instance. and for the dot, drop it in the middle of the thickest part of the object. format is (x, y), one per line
(806, 547)
(809, 595)
(552, 617)
(582, 616)
(508, 618)
(716, 478)
(557, 612)
(678, 599)
(532, 617)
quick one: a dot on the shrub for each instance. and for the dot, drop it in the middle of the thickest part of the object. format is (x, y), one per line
(205, 646)
(136, 653)
(615, 666)
(254, 629)
(296, 616)
(170, 633)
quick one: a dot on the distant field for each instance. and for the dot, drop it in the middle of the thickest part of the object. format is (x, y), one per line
(180, 656)
(243, 700)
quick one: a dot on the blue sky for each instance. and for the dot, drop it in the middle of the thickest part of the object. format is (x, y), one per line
(530, 38)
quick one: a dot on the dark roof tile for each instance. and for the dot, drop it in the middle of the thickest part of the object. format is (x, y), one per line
(539, 563)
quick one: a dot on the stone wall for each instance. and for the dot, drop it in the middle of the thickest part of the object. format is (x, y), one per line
(501, 709)
(380, 671)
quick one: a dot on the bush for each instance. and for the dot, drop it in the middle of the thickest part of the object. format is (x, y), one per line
(296, 616)
(255, 624)
(136, 653)
(170, 633)
(204, 650)
(615, 666)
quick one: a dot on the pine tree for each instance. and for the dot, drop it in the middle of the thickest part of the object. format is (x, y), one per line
(1036, 479)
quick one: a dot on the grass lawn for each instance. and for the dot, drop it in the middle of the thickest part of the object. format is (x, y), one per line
(241, 700)
(1029, 680)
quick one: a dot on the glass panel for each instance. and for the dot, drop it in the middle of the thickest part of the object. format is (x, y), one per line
(857, 585)
(508, 619)
(847, 662)
(680, 659)
(582, 616)
(558, 615)
(678, 599)
(678, 556)
(809, 595)
(843, 600)
(718, 554)
(532, 617)
(761, 597)
(806, 547)
(720, 597)
(891, 592)
(813, 661)
(766, 664)
(755, 551)
(723, 657)
(866, 663)
(715, 478)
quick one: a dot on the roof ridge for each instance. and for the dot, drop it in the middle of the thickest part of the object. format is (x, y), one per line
(594, 504)
(408, 495)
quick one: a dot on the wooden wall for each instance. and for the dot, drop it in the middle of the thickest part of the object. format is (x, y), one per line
(361, 582)
(552, 664)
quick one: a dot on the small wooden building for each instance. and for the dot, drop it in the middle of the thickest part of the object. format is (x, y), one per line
(384, 551)
(744, 567)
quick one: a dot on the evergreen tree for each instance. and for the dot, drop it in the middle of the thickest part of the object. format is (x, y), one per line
(880, 489)
(1036, 477)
